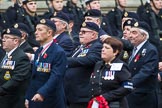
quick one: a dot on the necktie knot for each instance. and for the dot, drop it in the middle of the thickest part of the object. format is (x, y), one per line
(133, 54)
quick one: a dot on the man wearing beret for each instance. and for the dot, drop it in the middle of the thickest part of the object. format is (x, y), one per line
(46, 85)
(115, 17)
(61, 37)
(25, 13)
(95, 5)
(24, 45)
(94, 15)
(80, 66)
(14, 71)
(143, 64)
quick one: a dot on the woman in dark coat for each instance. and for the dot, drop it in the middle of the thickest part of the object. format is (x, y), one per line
(110, 80)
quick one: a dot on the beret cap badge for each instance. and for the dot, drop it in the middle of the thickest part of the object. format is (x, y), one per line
(136, 24)
(16, 26)
(43, 21)
(126, 14)
(8, 30)
(84, 24)
(129, 22)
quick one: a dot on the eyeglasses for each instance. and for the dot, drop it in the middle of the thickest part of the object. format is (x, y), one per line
(7, 37)
(84, 32)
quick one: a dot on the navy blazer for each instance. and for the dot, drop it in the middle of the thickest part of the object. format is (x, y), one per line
(144, 69)
(65, 42)
(79, 70)
(49, 84)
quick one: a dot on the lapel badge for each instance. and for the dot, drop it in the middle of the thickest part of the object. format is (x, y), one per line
(126, 14)
(143, 52)
(125, 55)
(7, 75)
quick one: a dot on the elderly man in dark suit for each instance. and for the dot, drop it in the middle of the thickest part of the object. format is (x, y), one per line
(81, 64)
(14, 71)
(143, 65)
(46, 86)
(61, 37)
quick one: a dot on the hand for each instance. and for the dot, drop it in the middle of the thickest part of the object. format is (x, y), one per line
(38, 98)
(26, 103)
(29, 56)
(103, 37)
(160, 66)
(35, 48)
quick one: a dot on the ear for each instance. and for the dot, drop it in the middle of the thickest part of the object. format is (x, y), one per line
(116, 52)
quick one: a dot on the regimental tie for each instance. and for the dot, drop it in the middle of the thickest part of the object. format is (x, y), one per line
(133, 54)
(78, 51)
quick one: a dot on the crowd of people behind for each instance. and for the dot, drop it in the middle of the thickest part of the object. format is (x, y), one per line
(75, 57)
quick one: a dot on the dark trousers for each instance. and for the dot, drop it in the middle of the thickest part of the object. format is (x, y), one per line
(78, 105)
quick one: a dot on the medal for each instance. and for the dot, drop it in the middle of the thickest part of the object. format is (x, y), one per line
(7, 75)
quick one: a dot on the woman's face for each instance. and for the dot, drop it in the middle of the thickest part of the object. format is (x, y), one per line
(107, 53)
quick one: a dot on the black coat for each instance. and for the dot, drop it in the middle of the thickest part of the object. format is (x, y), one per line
(115, 89)
(12, 90)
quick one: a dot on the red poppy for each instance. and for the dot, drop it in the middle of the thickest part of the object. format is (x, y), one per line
(101, 100)
(45, 55)
(55, 40)
(137, 57)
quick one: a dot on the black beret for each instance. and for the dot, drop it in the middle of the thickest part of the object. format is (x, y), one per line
(22, 26)
(93, 13)
(26, 1)
(129, 22)
(89, 1)
(91, 26)
(48, 23)
(62, 16)
(131, 15)
(142, 25)
(13, 31)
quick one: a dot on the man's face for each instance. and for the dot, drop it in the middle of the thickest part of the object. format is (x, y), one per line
(9, 42)
(157, 3)
(136, 37)
(60, 25)
(85, 35)
(41, 33)
(31, 6)
(126, 32)
(94, 5)
(57, 5)
(122, 3)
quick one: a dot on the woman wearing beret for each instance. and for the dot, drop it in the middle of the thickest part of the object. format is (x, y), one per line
(110, 81)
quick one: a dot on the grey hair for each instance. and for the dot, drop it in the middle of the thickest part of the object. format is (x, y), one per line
(144, 32)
